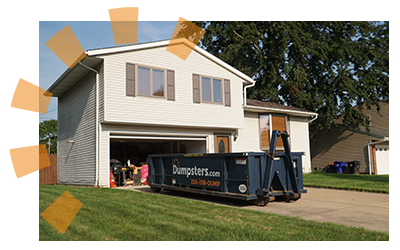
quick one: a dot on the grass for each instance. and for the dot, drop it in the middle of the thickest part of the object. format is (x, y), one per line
(366, 183)
(111, 214)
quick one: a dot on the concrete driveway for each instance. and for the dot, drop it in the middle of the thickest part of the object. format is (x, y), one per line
(357, 209)
(352, 208)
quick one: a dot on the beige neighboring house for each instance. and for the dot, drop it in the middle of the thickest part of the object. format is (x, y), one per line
(126, 102)
(341, 143)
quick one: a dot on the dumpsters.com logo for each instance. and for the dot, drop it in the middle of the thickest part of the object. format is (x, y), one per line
(193, 171)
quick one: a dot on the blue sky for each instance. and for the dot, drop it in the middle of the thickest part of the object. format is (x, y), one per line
(91, 34)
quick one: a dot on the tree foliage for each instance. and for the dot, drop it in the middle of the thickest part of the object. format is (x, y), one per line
(48, 129)
(324, 67)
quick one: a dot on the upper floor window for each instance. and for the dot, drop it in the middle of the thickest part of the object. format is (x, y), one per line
(211, 90)
(150, 81)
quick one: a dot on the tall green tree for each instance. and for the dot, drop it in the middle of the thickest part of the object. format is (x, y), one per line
(48, 130)
(324, 67)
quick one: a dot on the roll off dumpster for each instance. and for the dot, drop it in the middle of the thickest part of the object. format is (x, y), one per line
(252, 176)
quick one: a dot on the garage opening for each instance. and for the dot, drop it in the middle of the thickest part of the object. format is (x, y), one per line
(128, 155)
(137, 148)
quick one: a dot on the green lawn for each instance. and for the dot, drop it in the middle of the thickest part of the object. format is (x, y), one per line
(111, 214)
(362, 182)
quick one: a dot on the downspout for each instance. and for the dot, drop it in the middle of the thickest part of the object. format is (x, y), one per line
(96, 120)
(313, 119)
(245, 88)
(369, 152)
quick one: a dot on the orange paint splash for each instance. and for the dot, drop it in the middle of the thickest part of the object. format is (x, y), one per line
(124, 24)
(30, 97)
(27, 160)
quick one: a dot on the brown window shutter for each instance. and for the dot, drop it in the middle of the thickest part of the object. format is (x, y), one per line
(170, 85)
(130, 79)
(279, 123)
(196, 88)
(227, 90)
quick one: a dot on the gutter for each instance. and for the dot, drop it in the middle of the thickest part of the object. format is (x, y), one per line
(245, 91)
(96, 120)
(313, 119)
(282, 111)
(369, 151)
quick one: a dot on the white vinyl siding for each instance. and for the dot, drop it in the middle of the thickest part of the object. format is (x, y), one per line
(104, 160)
(249, 137)
(76, 121)
(182, 111)
(300, 140)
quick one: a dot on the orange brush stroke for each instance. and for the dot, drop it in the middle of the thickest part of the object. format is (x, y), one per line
(124, 24)
(185, 38)
(62, 211)
(30, 97)
(66, 46)
(27, 160)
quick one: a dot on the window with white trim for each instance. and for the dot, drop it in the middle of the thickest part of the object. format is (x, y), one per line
(211, 90)
(269, 123)
(151, 81)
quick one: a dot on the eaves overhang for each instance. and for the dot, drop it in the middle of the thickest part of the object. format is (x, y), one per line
(72, 76)
(279, 111)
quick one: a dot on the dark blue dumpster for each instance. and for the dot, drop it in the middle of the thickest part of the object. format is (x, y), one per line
(250, 176)
(339, 166)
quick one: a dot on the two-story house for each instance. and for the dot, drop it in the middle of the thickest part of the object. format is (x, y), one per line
(341, 143)
(127, 102)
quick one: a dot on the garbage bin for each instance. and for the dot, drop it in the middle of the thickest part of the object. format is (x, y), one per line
(330, 168)
(339, 165)
(354, 167)
(346, 169)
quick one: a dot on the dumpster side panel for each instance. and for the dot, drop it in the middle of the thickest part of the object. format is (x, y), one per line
(281, 178)
(237, 174)
(298, 164)
(167, 170)
(254, 166)
(205, 172)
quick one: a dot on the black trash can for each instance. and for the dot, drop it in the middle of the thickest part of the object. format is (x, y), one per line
(346, 168)
(330, 168)
(354, 167)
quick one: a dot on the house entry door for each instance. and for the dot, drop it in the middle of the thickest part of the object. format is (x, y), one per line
(222, 145)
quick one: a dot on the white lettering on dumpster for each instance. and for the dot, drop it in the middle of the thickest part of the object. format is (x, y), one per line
(194, 171)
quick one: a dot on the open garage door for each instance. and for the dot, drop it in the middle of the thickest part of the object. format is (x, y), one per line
(136, 148)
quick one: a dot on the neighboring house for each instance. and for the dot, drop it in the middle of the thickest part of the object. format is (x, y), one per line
(149, 101)
(342, 143)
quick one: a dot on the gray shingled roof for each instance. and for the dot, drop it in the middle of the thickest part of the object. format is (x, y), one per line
(257, 103)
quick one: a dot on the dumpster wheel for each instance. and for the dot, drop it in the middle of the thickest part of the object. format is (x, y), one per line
(296, 196)
(292, 197)
(262, 201)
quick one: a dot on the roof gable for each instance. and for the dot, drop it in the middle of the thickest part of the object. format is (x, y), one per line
(73, 75)
(134, 47)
